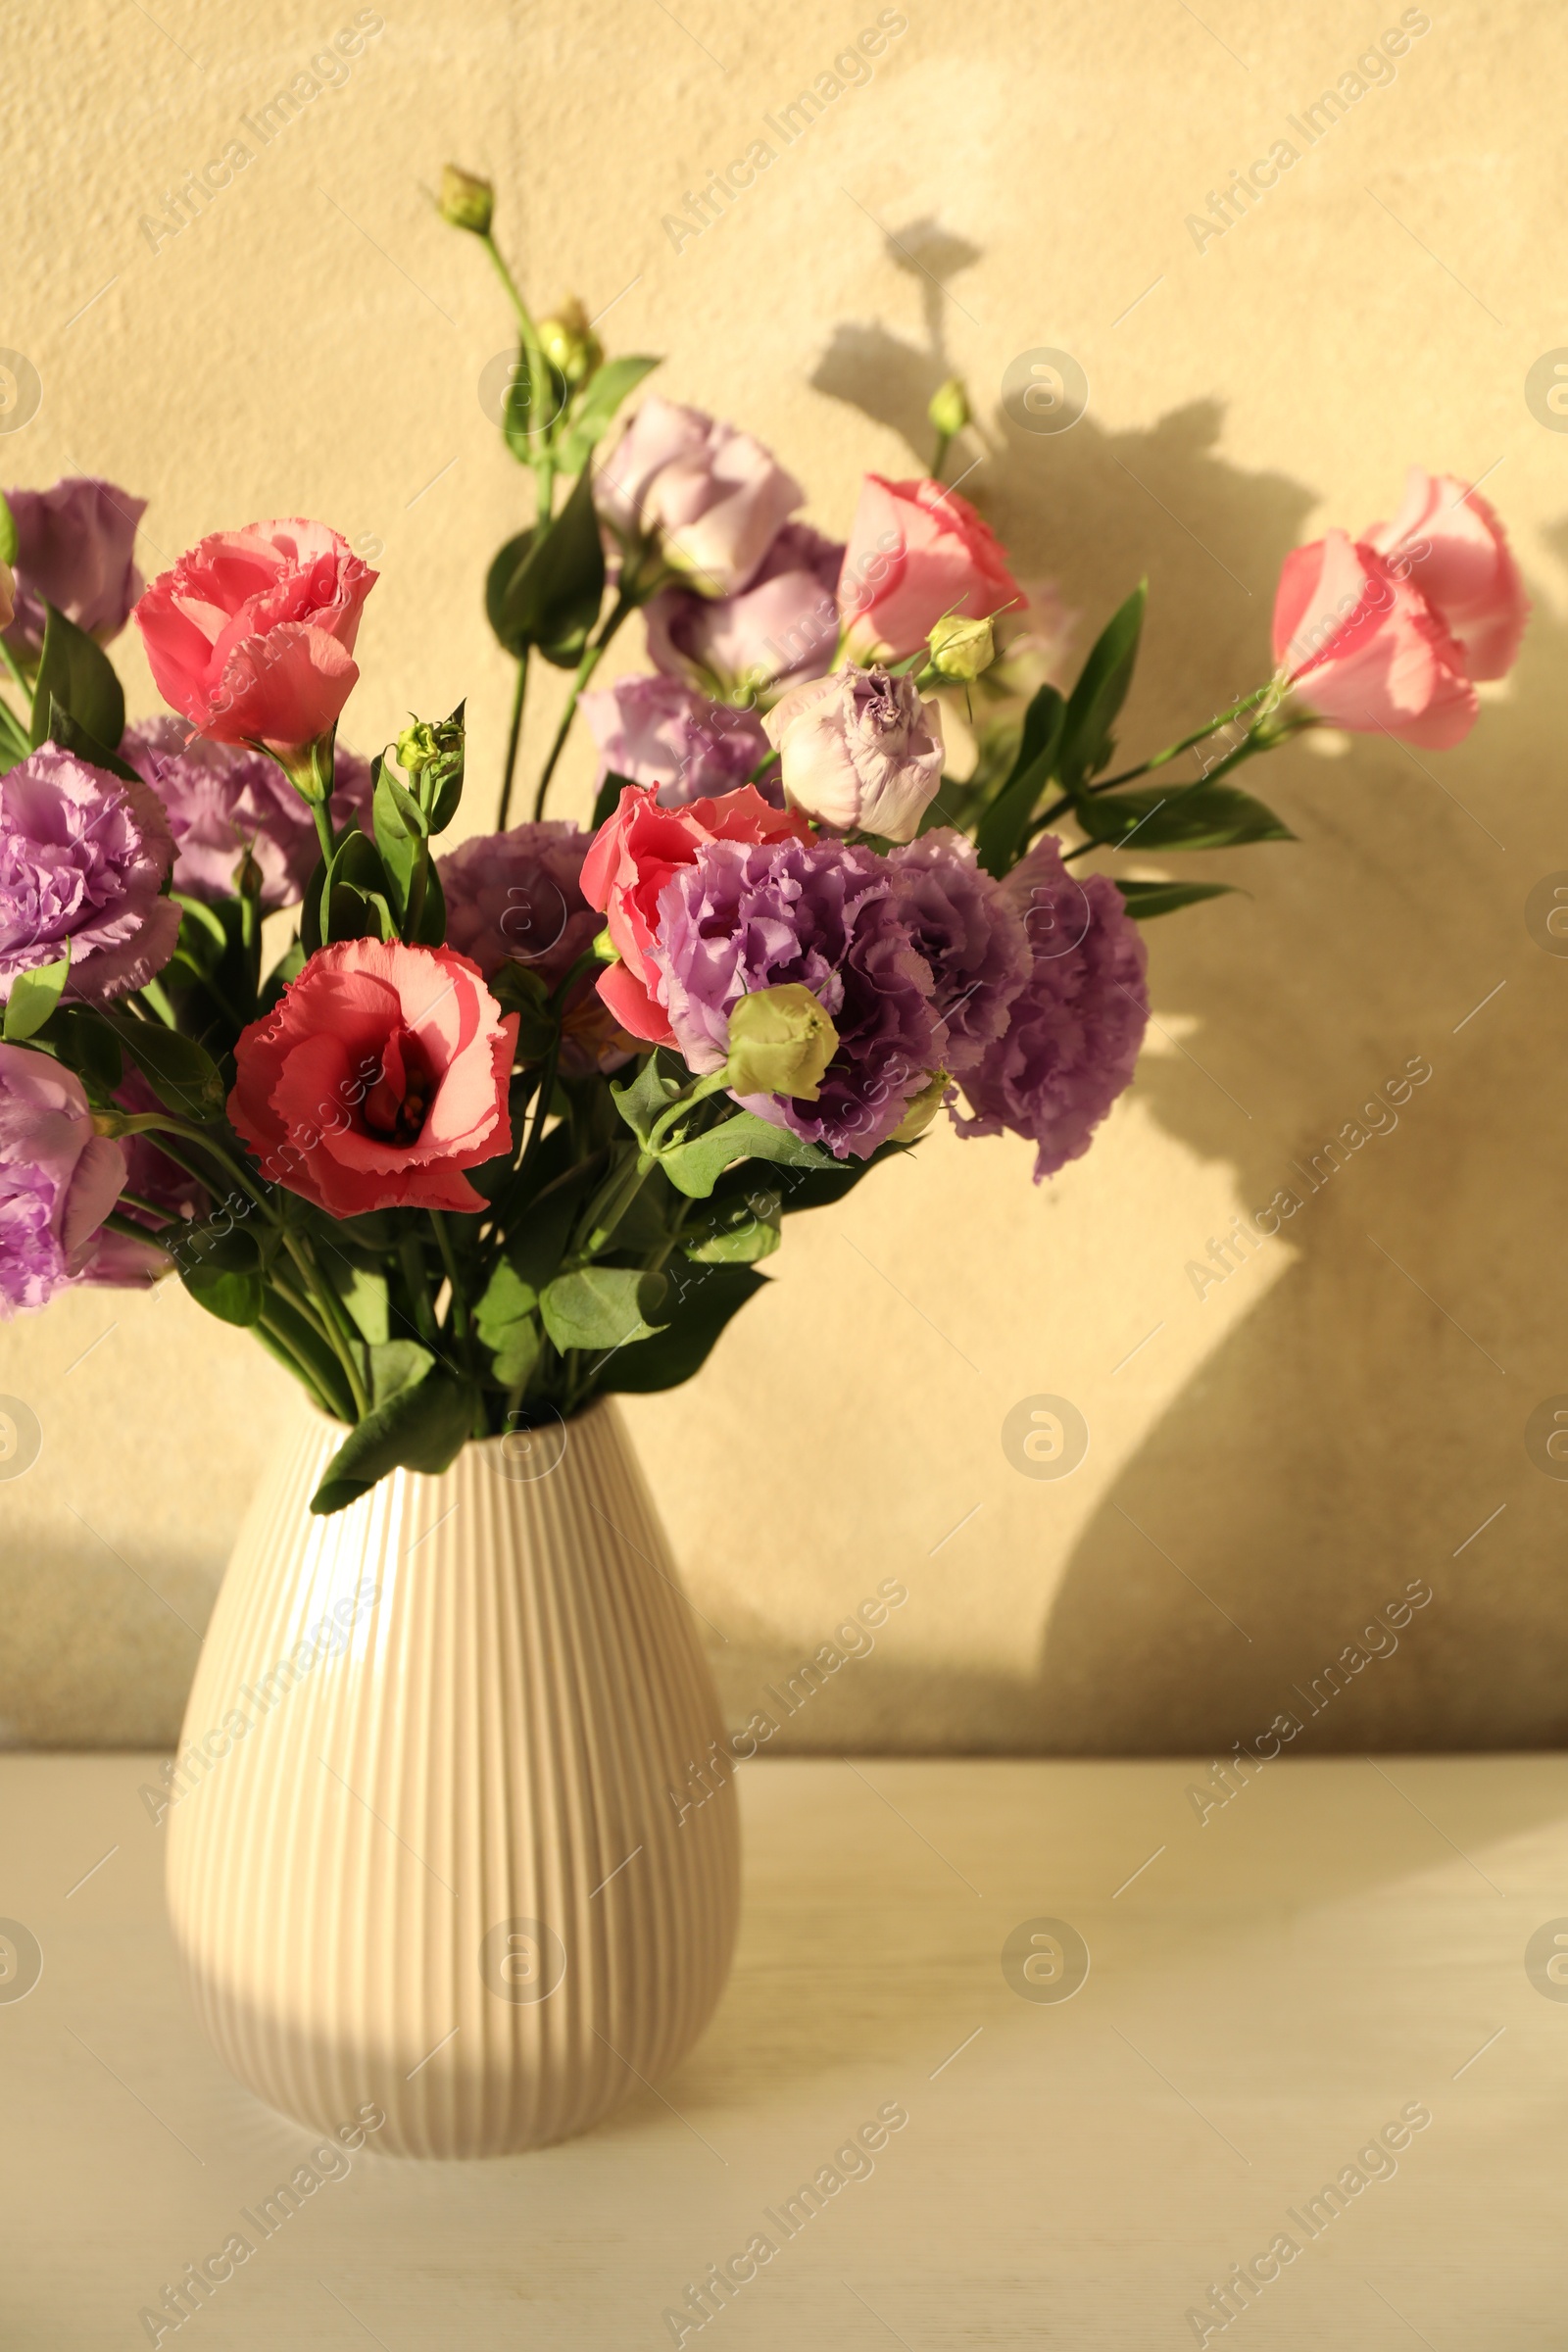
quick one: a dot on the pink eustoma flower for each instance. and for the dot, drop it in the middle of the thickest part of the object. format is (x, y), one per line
(251, 636)
(916, 552)
(1361, 646)
(1448, 542)
(377, 1078)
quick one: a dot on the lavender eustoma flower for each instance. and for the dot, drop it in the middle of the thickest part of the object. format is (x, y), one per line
(859, 749)
(75, 547)
(690, 494)
(1073, 1033)
(782, 627)
(83, 859)
(518, 897)
(824, 914)
(970, 933)
(223, 800)
(57, 1181)
(659, 731)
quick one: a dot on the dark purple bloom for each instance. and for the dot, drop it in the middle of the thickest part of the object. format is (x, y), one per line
(58, 1182)
(655, 730)
(824, 914)
(223, 800)
(970, 933)
(75, 547)
(782, 627)
(518, 897)
(84, 860)
(1073, 1035)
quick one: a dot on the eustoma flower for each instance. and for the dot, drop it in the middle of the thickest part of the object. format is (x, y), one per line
(694, 496)
(634, 854)
(783, 626)
(74, 547)
(825, 915)
(83, 859)
(859, 749)
(916, 552)
(516, 897)
(225, 803)
(379, 1077)
(661, 732)
(251, 635)
(1073, 1032)
(58, 1182)
(1391, 632)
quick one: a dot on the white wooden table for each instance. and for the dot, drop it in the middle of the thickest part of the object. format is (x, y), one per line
(1343, 1945)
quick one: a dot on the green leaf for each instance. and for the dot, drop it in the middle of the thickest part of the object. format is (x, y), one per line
(506, 560)
(552, 597)
(517, 988)
(181, 1073)
(33, 998)
(608, 798)
(999, 838)
(400, 834)
(646, 1098)
(506, 1323)
(83, 1042)
(596, 405)
(77, 675)
(356, 895)
(419, 1420)
(534, 398)
(602, 1306)
(14, 744)
(695, 1168)
(1197, 817)
(441, 783)
(70, 735)
(232, 1298)
(737, 1231)
(537, 1244)
(8, 533)
(363, 1291)
(429, 927)
(1100, 691)
(705, 1303)
(1145, 899)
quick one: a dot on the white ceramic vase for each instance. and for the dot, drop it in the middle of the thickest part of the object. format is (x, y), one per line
(446, 1833)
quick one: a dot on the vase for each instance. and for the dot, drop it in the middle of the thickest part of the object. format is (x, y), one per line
(453, 1832)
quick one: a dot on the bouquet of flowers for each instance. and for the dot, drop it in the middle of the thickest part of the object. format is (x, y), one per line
(507, 1128)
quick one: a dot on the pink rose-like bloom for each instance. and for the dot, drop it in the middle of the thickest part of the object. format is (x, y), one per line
(377, 1078)
(858, 747)
(1362, 647)
(58, 1182)
(74, 547)
(1072, 1035)
(783, 628)
(916, 552)
(223, 800)
(661, 732)
(708, 498)
(634, 853)
(1448, 542)
(251, 635)
(84, 860)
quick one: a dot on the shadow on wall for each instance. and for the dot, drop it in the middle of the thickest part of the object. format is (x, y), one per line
(1367, 1416)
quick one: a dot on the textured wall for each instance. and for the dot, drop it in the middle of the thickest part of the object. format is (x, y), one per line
(1331, 1422)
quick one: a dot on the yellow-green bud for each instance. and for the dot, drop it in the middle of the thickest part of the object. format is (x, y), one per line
(780, 1043)
(248, 876)
(961, 649)
(418, 747)
(921, 1108)
(949, 409)
(604, 948)
(466, 201)
(570, 343)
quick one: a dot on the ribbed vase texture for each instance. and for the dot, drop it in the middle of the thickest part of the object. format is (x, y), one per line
(434, 1842)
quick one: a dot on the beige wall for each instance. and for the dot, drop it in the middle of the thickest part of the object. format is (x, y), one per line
(1324, 1427)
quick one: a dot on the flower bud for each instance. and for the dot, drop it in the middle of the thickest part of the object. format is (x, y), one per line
(780, 1043)
(570, 343)
(418, 747)
(920, 1109)
(961, 649)
(949, 409)
(464, 201)
(248, 876)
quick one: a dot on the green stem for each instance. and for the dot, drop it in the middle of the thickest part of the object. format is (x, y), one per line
(328, 1308)
(513, 738)
(116, 1223)
(608, 1206)
(18, 674)
(538, 365)
(460, 1304)
(624, 604)
(940, 455)
(711, 1085)
(411, 1256)
(151, 1209)
(290, 1338)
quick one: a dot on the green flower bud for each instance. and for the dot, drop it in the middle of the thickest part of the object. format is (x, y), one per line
(921, 1108)
(247, 876)
(570, 343)
(418, 747)
(949, 409)
(464, 201)
(780, 1043)
(961, 649)
(604, 948)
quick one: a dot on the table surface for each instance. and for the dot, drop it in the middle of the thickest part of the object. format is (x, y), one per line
(1271, 1983)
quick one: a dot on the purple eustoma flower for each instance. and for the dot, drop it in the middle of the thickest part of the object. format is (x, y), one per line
(1073, 1034)
(75, 547)
(824, 914)
(686, 491)
(518, 897)
(84, 860)
(58, 1182)
(222, 799)
(782, 627)
(659, 731)
(970, 933)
